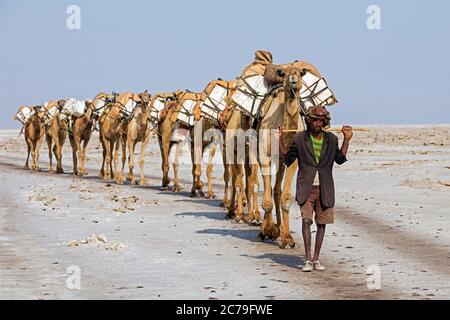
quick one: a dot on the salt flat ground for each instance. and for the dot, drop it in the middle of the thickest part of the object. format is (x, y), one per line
(392, 212)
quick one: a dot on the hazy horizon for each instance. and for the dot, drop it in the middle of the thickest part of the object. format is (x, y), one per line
(395, 75)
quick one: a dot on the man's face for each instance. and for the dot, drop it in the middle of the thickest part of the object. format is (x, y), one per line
(316, 126)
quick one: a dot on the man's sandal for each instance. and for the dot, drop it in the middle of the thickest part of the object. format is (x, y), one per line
(308, 267)
(318, 266)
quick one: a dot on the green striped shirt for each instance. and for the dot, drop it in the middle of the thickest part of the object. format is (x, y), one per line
(317, 146)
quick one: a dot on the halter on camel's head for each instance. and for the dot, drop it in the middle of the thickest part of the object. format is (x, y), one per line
(145, 98)
(61, 104)
(293, 79)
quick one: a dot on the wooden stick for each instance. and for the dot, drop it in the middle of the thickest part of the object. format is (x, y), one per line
(331, 129)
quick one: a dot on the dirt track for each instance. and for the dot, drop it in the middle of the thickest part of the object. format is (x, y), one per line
(392, 207)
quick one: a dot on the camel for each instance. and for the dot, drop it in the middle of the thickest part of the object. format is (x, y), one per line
(137, 130)
(281, 108)
(168, 125)
(81, 133)
(34, 134)
(210, 124)
(55, 133)
(112, 127)
(234, 120)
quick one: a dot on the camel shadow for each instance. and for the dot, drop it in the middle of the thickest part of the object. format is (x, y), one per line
(249, 235)
(210, 215)
(210, 202)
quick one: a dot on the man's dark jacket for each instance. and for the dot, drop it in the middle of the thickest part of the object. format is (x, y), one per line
(301, 148)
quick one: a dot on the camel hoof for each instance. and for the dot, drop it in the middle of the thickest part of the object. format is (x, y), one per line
(239, 219)
(133, 182)
(142, 183)
(38, 169)
(164, 188)
(26, 167)
(260, 237)
(60, 171)
(230, 215)
(224, 204)
(210, 195)
(282, 245)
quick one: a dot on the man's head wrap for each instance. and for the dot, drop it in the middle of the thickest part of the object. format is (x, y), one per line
(316, 113)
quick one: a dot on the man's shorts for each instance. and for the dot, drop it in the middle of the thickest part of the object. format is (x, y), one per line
(313, 204)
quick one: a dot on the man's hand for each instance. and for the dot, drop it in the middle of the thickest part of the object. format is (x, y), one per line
(347, 131)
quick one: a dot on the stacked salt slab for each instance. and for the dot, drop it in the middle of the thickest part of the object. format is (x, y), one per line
(251, 86)
(215, 102)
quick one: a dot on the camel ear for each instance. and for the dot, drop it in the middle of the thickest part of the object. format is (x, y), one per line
(303, 72)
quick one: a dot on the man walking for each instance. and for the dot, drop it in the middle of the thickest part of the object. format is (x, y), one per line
(316, 151)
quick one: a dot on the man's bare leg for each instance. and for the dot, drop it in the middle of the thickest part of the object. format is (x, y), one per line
(306, 230)
(319, 240)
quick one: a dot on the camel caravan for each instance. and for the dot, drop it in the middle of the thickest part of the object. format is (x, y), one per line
(239, 118)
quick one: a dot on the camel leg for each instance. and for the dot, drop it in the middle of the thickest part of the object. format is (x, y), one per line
(50, 153)
(108, 170)
(232, 200)
(209, 172)
(226, 178)
(115, 147)
(79, 156)
(83, 156)
(286, 199)
(255, 193)
(252, 195)
(165, 150)
(268, 228)
(176, 165)
(144, 144)
(277, 192)
(57, 149)
(36, 153)
(74, 155)
(102, 170)
(131, 148)
(29, 146)
(196, 183)
(239, 216)
(121, 177)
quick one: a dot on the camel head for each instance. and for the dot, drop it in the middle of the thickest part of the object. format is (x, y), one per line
(39, 112)
(226, 114)
(145, 98)
(168, 105)
(292, 79)
(61, 104)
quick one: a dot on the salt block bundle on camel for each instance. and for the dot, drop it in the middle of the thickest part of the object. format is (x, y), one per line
(113, 130)
(173, 128)
(208, 132)
(291, 89)
(56, 126)
(81, 115)
(241, 155)
(32, 119)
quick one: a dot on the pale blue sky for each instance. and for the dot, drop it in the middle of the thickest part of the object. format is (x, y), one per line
(397, 75)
